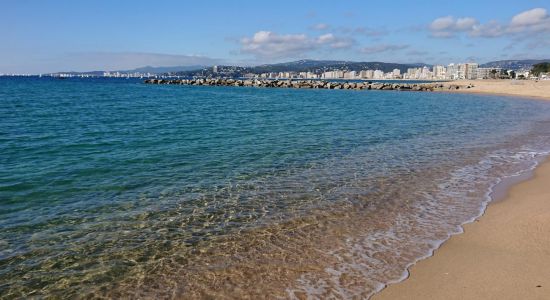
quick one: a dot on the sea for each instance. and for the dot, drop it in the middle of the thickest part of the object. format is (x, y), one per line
(111, 188)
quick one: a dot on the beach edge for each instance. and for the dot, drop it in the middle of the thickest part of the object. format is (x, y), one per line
(503, 254)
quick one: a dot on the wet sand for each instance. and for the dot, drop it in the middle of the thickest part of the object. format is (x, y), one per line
(525, 88)
(503, 255)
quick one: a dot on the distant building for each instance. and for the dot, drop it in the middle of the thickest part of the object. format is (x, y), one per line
(350, 75)
(328, 75)
(311, 75)
(439, 72)
(366, 74)
(451, 72)
(467, 71)
(488, 73)
(396, 73)
(413, 73)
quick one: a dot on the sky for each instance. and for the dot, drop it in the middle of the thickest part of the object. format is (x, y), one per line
(58, 35)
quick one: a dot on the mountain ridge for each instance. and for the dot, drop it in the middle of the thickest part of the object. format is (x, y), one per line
(514, 64)
(305, 65)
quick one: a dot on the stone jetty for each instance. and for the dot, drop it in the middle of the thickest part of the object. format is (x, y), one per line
(308, 84)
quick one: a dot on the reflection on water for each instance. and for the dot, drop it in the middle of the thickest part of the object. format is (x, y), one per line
(115, 189)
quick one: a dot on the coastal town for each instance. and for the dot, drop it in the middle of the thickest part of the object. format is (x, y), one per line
(337, 71)
(438, 72)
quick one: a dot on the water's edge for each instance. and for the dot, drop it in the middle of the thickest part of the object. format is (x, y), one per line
(497, 192)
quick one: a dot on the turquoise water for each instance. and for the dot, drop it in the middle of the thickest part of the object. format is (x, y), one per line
(115, 188)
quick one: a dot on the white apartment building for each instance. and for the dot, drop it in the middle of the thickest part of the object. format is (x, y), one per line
(426, 73)
(311, 75)
(333, 74)
(439, 72)
(413, 73)
(467, 71)
(487, 73)
(350, 75)
(396, 73)
(451, 72)
(366, 74)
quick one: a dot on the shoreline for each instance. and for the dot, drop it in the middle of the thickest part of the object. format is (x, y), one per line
(501, 254)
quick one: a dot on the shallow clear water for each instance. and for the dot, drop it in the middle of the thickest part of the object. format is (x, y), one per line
(115, 188)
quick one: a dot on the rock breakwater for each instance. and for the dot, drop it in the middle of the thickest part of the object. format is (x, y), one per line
(309, 84)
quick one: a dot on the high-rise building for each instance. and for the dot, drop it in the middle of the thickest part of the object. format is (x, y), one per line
(470, 71)
(467, 71)
(370, 74)
(439, 72)
(311, 75)
(329, 75)
(414, 73)
(426, 73)
(452, 72)
(396, 73)
(350, 75)
(487, 73)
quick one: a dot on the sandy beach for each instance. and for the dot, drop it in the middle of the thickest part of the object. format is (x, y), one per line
(525, 88)
(503, 255)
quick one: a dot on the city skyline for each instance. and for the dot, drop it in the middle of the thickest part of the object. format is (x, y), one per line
(66, 36)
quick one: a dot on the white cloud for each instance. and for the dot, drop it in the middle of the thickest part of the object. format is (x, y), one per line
(530, 17)
(491, 29)
(443, 23)
(267, 44)
(383, 48)
(270, 44)
(534, 20)
(342, 43)
(326, 38)
(335, 42)
(446, 27)
(528, 22)
(320, 26)
(465, 23)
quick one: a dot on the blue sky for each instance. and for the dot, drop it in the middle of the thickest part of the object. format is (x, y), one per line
(46, 36)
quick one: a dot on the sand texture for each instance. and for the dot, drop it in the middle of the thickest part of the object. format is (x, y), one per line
(526, 88)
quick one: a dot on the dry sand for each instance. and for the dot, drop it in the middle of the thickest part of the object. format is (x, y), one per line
(503, 255)
(526, 88)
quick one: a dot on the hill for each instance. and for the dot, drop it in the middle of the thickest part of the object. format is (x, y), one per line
(524, 64)
(315, 66)
(541, 68)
